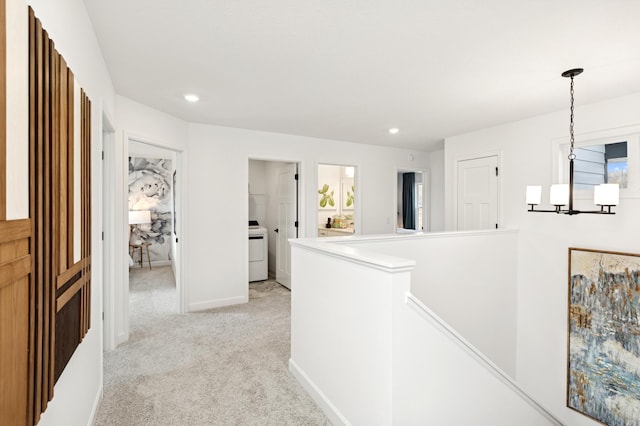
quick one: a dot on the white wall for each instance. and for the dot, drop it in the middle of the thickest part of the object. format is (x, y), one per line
(218, 175)
(369, 357)
(436, 191)
(525, 147)
(455, 276)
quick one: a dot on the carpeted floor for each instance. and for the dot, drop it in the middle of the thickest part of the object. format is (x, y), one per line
(227, 366)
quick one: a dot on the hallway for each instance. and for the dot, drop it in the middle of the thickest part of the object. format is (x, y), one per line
(217, 367)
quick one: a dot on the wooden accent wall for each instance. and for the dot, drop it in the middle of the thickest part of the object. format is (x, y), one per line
(45, 295)
(15, 269)
(61, 286)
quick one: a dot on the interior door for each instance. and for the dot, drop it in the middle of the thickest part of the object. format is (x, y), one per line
(287, 218)
(477, 200)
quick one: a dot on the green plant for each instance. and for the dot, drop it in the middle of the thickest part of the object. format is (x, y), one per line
(327, 197)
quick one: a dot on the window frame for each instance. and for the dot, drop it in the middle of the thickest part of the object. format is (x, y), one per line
(630, 134)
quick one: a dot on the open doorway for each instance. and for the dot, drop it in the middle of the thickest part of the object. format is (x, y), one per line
(151, 244)
(411, 206)
(273, 219)
(119, 155)
(337, 202)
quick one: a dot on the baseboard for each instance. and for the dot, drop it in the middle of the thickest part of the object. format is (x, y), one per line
(317, 395)
(218, 303)
(96, 404)
(153, 264)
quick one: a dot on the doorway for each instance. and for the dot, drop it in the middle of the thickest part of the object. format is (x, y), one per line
(477, 193)
(273, 218)
(118, 232)
(412, 201)
(337, 201)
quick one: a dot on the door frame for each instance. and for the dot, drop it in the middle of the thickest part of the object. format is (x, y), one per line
(109, 270)
(426, 196)
(357, 209)
(116, 310)
(300, 198)
(477, 156)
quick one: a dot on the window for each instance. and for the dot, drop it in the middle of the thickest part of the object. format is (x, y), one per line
(596, 164)
(607, 156)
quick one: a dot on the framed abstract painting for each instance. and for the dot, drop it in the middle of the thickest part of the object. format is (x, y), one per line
(603, 372)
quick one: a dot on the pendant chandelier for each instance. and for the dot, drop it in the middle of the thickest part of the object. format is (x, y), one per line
(605, 195)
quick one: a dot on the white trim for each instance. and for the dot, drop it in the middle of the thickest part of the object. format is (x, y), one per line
(218, 303)
(108, 145)
(96, 405)
(427, 314)
(317, 395)
(370, 259)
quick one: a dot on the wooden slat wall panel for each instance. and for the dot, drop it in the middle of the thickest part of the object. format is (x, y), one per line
(15, 270)
(14, 341)
(3, 111)
(52, 204)
(34, 375)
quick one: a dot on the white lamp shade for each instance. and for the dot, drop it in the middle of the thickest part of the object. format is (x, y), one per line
(139, 216)
(606, 194)
(534, 194)
(559, 194)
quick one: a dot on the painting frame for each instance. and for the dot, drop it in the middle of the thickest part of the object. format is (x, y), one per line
(603, 335)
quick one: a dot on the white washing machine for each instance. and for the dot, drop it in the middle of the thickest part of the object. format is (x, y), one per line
(258, 252)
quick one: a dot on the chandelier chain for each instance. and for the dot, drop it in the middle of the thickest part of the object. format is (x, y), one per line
(572, 156)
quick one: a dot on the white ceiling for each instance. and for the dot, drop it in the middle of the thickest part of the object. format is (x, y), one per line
(351, 69)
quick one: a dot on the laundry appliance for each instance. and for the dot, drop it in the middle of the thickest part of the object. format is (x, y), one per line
(258, 252)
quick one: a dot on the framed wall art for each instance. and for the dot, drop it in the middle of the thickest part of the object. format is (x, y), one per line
(603, 372)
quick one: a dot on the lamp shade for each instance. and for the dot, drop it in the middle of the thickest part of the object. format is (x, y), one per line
(559, 194)
(534, 194)
(606, 194)
(139, 216)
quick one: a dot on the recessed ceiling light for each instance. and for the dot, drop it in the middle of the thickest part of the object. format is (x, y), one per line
(394, 130)
(191, 97)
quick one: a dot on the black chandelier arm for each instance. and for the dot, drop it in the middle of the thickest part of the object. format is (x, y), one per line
(572, 212)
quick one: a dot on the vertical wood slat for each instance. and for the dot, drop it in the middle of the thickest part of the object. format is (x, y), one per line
(62, 142)
(54, 206)
(70, 169)
(3, 112)
(46, 220)
(39, 216)
(33, 377)
(86, 206)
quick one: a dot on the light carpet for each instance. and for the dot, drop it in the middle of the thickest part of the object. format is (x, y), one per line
(226, 366)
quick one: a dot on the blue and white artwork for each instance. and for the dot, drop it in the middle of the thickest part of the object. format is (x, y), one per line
(604, 336)
(150, 189)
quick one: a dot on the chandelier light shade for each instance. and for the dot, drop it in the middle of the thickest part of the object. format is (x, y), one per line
(605, 195)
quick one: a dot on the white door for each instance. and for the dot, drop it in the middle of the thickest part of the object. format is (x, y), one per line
(287, 217)
(478, 193)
